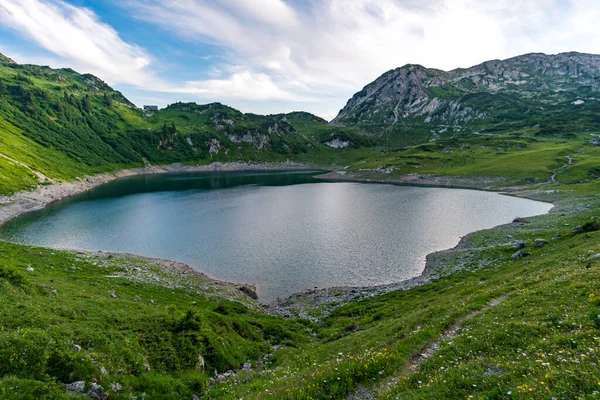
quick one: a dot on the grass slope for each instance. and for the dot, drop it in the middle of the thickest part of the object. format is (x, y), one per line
(66, 125)
(79, 316)
(539, 342)
(66, 316)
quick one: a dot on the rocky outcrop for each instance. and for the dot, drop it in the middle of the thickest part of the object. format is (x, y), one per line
(417, 97)
(337, 144)
(6, 60)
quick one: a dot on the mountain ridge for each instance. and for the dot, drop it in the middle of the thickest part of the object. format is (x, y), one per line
(413, 97)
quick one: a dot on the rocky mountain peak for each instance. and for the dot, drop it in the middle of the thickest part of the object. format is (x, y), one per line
(414, 95)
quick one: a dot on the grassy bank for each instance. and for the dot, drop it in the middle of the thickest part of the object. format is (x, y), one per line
(68, 316)
(490, 326)
(128, 321)
(539, 342)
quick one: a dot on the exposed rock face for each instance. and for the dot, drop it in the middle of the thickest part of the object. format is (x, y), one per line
(337, 144)
(435, 101)
(214, 146)
(6, 60)
(256, 139)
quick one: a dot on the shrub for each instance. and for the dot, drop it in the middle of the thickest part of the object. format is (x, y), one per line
(12, 276)
(24, 353)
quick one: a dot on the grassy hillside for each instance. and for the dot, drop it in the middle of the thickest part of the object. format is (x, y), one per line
(64, 125)
(537, 339)
(70, 316)
(489, 326)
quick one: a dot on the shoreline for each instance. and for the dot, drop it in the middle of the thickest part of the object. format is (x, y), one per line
(23, 202)
(336, 296)
(26, 201)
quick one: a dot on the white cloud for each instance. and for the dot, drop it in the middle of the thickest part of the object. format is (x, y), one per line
(78, 38)
(314, 54)
(338, 46)
(240, 85)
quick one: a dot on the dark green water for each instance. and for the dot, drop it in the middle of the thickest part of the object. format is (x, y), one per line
(283, 231)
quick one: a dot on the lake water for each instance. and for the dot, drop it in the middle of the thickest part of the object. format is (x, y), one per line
(282, 231)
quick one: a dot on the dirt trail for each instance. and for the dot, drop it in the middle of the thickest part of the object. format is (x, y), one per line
(379, 388)
(41, 177)
(570, 161)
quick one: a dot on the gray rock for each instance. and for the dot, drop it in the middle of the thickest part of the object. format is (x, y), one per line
(97, 392)
(250, 291)
(137, 298)
(29, 269)
(76, 347)
(519, 244)
(247, 367)
(116, 387)
(594, 257)
(539, 242)
(76, 387)
(520, 254)
(113, 295)
(200, 365)
(103, 371)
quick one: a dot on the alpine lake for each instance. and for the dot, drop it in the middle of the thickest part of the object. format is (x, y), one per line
(283, 231)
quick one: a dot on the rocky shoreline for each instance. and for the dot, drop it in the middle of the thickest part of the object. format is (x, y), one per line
(312, 304)
(316, 304)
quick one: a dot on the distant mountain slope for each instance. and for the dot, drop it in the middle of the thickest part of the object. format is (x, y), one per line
(552, 94)
(63, 124)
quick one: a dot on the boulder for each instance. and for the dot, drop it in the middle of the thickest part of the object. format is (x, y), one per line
(97, 392)
(247, 367)
(76, 387)
(519, 244)
(116, 387)
(520, 254)
(249, 291)
(539, 242)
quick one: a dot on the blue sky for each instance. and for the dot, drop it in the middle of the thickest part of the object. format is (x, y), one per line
(270, 56)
